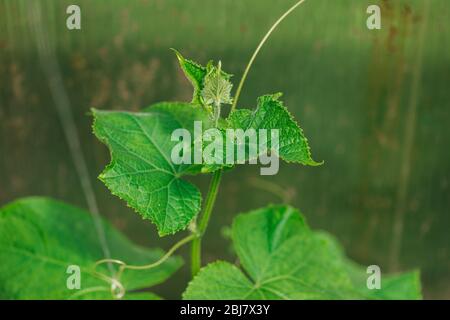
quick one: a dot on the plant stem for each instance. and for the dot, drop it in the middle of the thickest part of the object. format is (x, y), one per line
(203, 224)
(215, 182)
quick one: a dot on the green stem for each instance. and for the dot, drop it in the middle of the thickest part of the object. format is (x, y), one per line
(203, 224)
(215, 182)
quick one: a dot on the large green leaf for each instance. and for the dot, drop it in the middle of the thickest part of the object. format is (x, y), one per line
(41, 237)
(141, 170)
(270, 113)
(283, 259)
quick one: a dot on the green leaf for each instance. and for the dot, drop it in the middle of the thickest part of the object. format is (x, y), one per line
(405, 286)
(217, 86)
(141, 171)
(41, 237)
(270, 113)
(219, 281)
(283, 259)
(207, 81)
(195, 74)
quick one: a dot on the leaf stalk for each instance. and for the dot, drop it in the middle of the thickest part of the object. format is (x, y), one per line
(203, 223)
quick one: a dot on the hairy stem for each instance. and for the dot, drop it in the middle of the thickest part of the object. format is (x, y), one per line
(203, 223)
(215, 182)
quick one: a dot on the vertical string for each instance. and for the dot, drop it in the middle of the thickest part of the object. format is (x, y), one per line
(49, 63)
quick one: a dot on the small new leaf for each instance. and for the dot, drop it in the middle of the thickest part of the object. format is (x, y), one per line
(217, 87)
(211, 84)
(195, 74)
(216, 90)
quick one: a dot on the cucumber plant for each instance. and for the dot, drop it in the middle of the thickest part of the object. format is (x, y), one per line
(280, 256)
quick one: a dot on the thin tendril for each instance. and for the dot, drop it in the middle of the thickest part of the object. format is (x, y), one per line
(117, 289)
(52, 71)
(249, 65)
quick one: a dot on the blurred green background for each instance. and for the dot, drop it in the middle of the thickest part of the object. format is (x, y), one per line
(375, 105)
